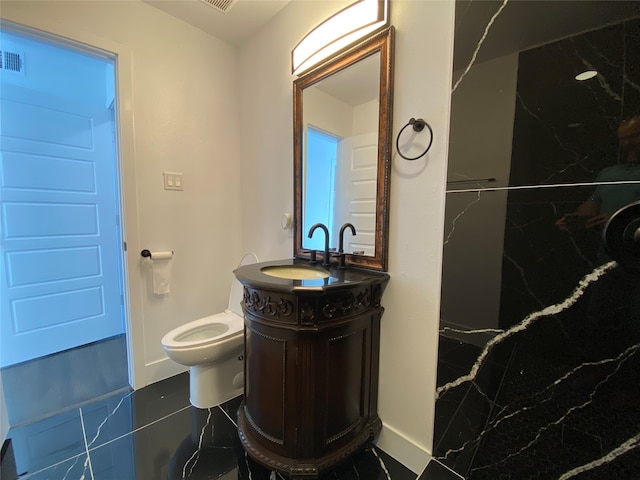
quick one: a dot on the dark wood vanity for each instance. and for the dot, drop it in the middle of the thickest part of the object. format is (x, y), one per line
(312, 345)
(311, 367)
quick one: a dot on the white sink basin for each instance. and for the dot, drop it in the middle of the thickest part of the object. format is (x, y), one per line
(294, 272)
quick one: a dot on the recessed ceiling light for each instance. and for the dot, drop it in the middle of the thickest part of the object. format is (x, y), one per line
(581, 77)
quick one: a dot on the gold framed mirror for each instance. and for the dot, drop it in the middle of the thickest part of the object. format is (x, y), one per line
(342, 115)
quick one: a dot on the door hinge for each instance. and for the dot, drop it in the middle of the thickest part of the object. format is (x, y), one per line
(124, 246)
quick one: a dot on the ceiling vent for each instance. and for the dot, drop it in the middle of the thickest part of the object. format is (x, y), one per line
(221, 5)
(11, 62)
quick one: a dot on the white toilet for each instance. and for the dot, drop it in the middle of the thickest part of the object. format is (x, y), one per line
(213, 348)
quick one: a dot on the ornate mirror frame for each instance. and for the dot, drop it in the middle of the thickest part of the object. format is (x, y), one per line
(381, 43)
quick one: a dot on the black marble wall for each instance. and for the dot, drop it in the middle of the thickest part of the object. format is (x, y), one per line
(539, 361)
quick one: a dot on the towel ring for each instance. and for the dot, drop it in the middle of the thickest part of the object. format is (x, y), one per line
(418, 125)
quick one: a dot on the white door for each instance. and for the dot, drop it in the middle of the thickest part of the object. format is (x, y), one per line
(61, 261)
(356, 192)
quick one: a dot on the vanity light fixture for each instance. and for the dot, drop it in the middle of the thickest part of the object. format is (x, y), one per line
(586, 75)
(338, 32)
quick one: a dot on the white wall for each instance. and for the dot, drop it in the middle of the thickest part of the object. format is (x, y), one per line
(182, 103)
(327, 113)
(365, 117)
(424, 44)
(332, 115)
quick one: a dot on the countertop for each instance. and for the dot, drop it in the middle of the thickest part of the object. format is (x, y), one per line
(252, 276)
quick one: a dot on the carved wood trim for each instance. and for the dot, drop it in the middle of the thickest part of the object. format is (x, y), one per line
(307, 313)
(261, 304)
(344, 304)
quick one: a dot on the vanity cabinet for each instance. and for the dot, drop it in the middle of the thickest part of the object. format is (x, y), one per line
(311, 373)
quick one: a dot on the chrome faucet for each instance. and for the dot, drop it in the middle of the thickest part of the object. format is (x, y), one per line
(325, 259)
(341, 244)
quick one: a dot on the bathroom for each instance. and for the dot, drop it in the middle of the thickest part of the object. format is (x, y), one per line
(222, 115)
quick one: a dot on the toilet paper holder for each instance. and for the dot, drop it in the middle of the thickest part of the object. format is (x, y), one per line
(146, 253)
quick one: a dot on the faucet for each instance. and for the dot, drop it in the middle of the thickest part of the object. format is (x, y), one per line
(341, 244)
(325, 260)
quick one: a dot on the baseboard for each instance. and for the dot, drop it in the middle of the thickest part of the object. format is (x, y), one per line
(156, 371)
(412, 456)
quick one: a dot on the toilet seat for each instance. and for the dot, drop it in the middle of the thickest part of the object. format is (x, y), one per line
(212, 348)
(224, 326)
(217, 328)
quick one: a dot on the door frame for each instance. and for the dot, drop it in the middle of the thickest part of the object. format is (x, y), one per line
(126, 167)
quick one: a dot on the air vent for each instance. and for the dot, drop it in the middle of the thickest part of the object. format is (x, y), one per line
(11, 62)
(221, 5)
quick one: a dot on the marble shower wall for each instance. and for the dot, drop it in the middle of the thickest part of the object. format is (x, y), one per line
(539, 368)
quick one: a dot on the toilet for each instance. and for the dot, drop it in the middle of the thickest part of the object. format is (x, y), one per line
(213, 348)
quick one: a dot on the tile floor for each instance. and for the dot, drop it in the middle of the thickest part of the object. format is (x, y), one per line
(65, 379)
(154, 433)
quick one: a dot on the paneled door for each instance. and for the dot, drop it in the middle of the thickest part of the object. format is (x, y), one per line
(356, 191)
(61, 284)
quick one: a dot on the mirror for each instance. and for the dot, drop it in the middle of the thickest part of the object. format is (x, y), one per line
(527, 307)
(342, 115)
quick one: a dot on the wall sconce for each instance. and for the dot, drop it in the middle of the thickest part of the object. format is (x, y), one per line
(338, 32)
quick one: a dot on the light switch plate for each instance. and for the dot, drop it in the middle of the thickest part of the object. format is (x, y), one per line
(172, 181)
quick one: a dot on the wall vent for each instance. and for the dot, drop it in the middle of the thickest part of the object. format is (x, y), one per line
(221, 5)
(11, 62)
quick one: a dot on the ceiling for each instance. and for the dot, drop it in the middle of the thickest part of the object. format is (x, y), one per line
(521, 25)
(237, 24)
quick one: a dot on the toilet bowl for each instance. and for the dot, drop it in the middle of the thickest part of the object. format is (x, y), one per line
(213, 348)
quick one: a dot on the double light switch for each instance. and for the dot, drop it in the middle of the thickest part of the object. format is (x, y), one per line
(172, 181)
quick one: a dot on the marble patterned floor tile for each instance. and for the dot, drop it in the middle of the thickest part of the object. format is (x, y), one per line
(168, 439)
(161, 398)
(436, 471)
(39, 445)
(108, 419)
(66, 379)
(203, 443)
(231, 408)
(145, 453)
(119, 414)
(75, 468)
(112, 417)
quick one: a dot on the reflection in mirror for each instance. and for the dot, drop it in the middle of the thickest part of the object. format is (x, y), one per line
(548, 332)
(340, 154)
(342, 131)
